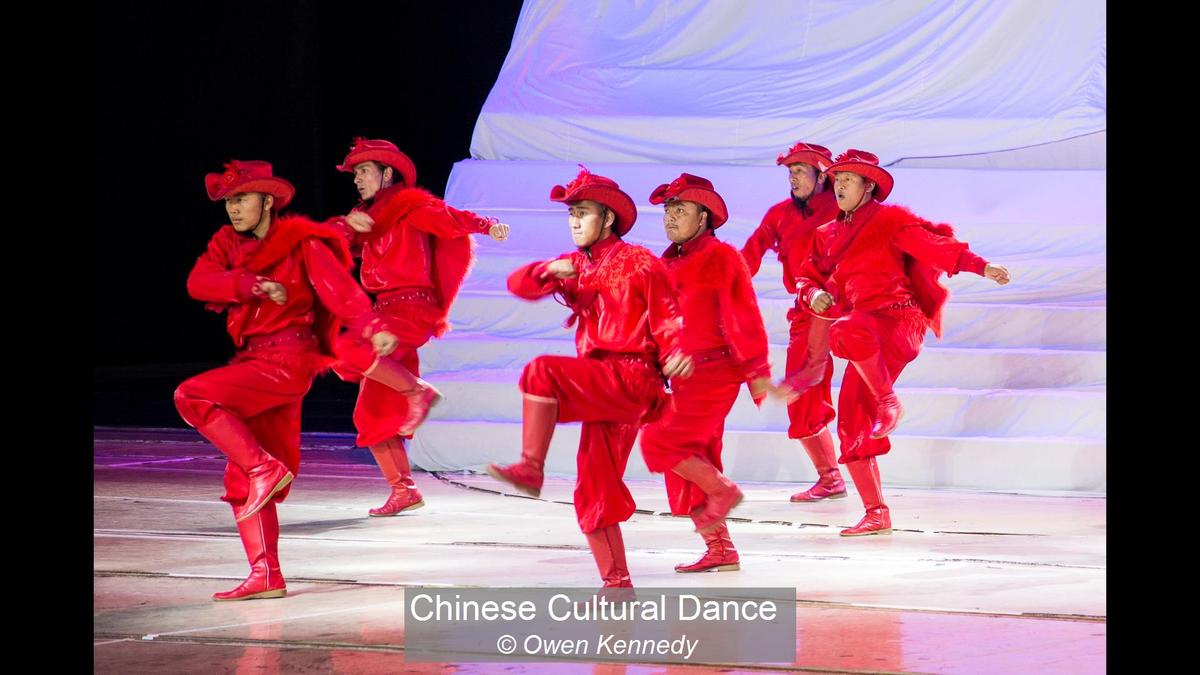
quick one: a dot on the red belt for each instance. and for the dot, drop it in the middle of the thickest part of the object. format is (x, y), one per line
(911, 302)
(405, 295)
(621, 356)
(288, 337)
(711, 355)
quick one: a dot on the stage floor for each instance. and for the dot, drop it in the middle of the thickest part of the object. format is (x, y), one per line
(974, 582)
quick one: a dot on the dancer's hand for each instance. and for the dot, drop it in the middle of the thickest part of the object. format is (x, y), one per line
(786, 393)
(561, 268)
(275, 291)
(821, 302)
(997, 273)
(498, 231)
(680, 366)
(761, 387)
(384, 342)
(360, 221)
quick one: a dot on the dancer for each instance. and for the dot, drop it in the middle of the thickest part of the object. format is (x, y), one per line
(627, 340)
(787, 228)
(284, 282)
(415, 253)
(875, 270)
(726, 339)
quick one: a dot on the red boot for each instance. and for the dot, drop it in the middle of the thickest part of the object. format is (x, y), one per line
(266, 474)
(608, 549)
(721, 494)
(538, 418)
(393, 462)
(878, 519)
(816, 357)
(829, 484)
(260, 538)
(721, 556)
(420, 394)
(888, 411)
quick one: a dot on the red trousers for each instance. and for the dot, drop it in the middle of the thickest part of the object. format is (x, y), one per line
(813, 411)
(897, 335)
(692, 426)
(612, 395)
(262, 393)
(380, 411)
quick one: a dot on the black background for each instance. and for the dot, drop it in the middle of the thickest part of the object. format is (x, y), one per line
(184, 87)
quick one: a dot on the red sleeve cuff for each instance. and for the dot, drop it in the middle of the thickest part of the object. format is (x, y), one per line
(756, 367)
(367, 325)
(246, 284)
(807, 292)
(969, 262)
(541, 271)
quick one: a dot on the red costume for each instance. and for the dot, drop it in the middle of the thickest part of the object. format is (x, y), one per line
(250, 409)
(787, 228)
(628, 326)
(881, 266)
(414, 260)
(728, 344)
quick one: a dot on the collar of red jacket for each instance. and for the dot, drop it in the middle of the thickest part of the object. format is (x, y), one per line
(861, 214)
(691, 246)
(601, 246)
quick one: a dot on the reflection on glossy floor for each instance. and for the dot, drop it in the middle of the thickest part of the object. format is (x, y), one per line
(969, 582)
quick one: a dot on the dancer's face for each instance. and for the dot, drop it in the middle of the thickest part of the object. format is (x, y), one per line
(851, 189)
(590, 222)
(683, 220)
(246, 210)
(369, 179)
(805, 180)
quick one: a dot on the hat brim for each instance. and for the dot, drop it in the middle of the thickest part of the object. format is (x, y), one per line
(709, 199)
(808, 157)
(811, 158)
(280, 189)
(397, 160)
(883, 180)
(620, 203)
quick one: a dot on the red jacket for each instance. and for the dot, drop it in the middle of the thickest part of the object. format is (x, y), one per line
(718, 302)
(311, 260)
(418, 241)
(788, 231)
(880, 256)
(621, 296)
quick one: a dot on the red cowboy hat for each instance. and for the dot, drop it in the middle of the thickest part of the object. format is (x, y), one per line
(255, 176)
(384, 152)
(866, 165)
(597, 188)
(691, 188)
(809, 153)
(812, 154)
